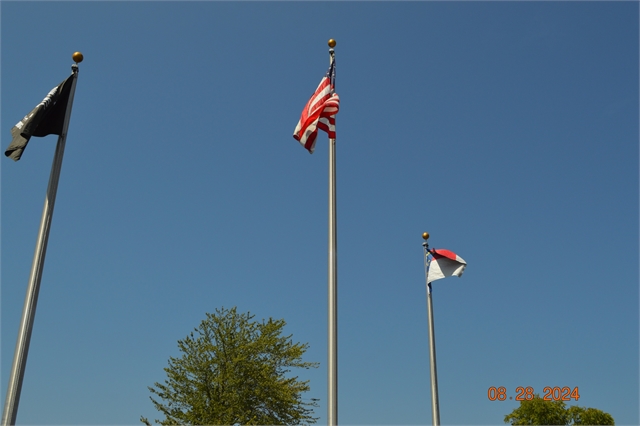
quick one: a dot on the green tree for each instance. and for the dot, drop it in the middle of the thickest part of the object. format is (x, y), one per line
(233, 370)
(538, 411)
(589, 416)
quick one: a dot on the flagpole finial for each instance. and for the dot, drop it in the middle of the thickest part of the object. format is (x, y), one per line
(332, 43)
(425, 236)
(77, 57)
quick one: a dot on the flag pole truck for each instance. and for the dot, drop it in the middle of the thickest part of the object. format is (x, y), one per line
(29, 310)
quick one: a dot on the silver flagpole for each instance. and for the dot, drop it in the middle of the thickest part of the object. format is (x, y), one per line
(332, 418)
(435, 406)
(29, 310)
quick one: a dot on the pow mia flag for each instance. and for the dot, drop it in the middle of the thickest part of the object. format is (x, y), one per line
(47, 118)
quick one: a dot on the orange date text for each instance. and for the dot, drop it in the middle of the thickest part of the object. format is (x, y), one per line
(526, 393)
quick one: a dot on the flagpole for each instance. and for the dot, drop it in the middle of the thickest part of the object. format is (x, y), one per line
(435, 406)
(29, 310)
(332, 417)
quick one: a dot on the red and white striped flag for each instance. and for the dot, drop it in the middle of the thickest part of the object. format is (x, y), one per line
(443, 263)
(320, 112)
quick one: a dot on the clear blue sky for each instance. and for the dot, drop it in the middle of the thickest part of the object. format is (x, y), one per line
(507, 130)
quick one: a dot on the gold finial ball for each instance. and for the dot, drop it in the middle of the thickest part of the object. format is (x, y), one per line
(425, 235)
(77, 57)
(332, 43)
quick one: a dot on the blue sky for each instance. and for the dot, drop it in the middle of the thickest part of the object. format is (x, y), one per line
(508, 130)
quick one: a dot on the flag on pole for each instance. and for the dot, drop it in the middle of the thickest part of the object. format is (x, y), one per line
(47, 118)
(443, 263)
(319, 112)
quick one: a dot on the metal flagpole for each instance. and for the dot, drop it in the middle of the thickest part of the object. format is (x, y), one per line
(435, 406)
(332, 417)
(29, 310)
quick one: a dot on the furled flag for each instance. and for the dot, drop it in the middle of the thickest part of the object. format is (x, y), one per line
(443, 263)
(47, 118)
(320, 112)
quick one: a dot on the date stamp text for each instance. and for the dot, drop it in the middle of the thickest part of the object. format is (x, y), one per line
(526, 393)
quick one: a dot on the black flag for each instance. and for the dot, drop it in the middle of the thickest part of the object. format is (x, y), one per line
(47, 118)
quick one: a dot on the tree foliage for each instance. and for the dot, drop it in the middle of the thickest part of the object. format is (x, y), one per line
(589, 416)
(538, 411)
(234, 370)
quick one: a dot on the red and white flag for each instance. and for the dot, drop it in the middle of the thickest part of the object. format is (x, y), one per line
(443, 263)
(319, 112)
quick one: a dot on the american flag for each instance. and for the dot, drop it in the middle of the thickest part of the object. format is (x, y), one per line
(320, 112)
